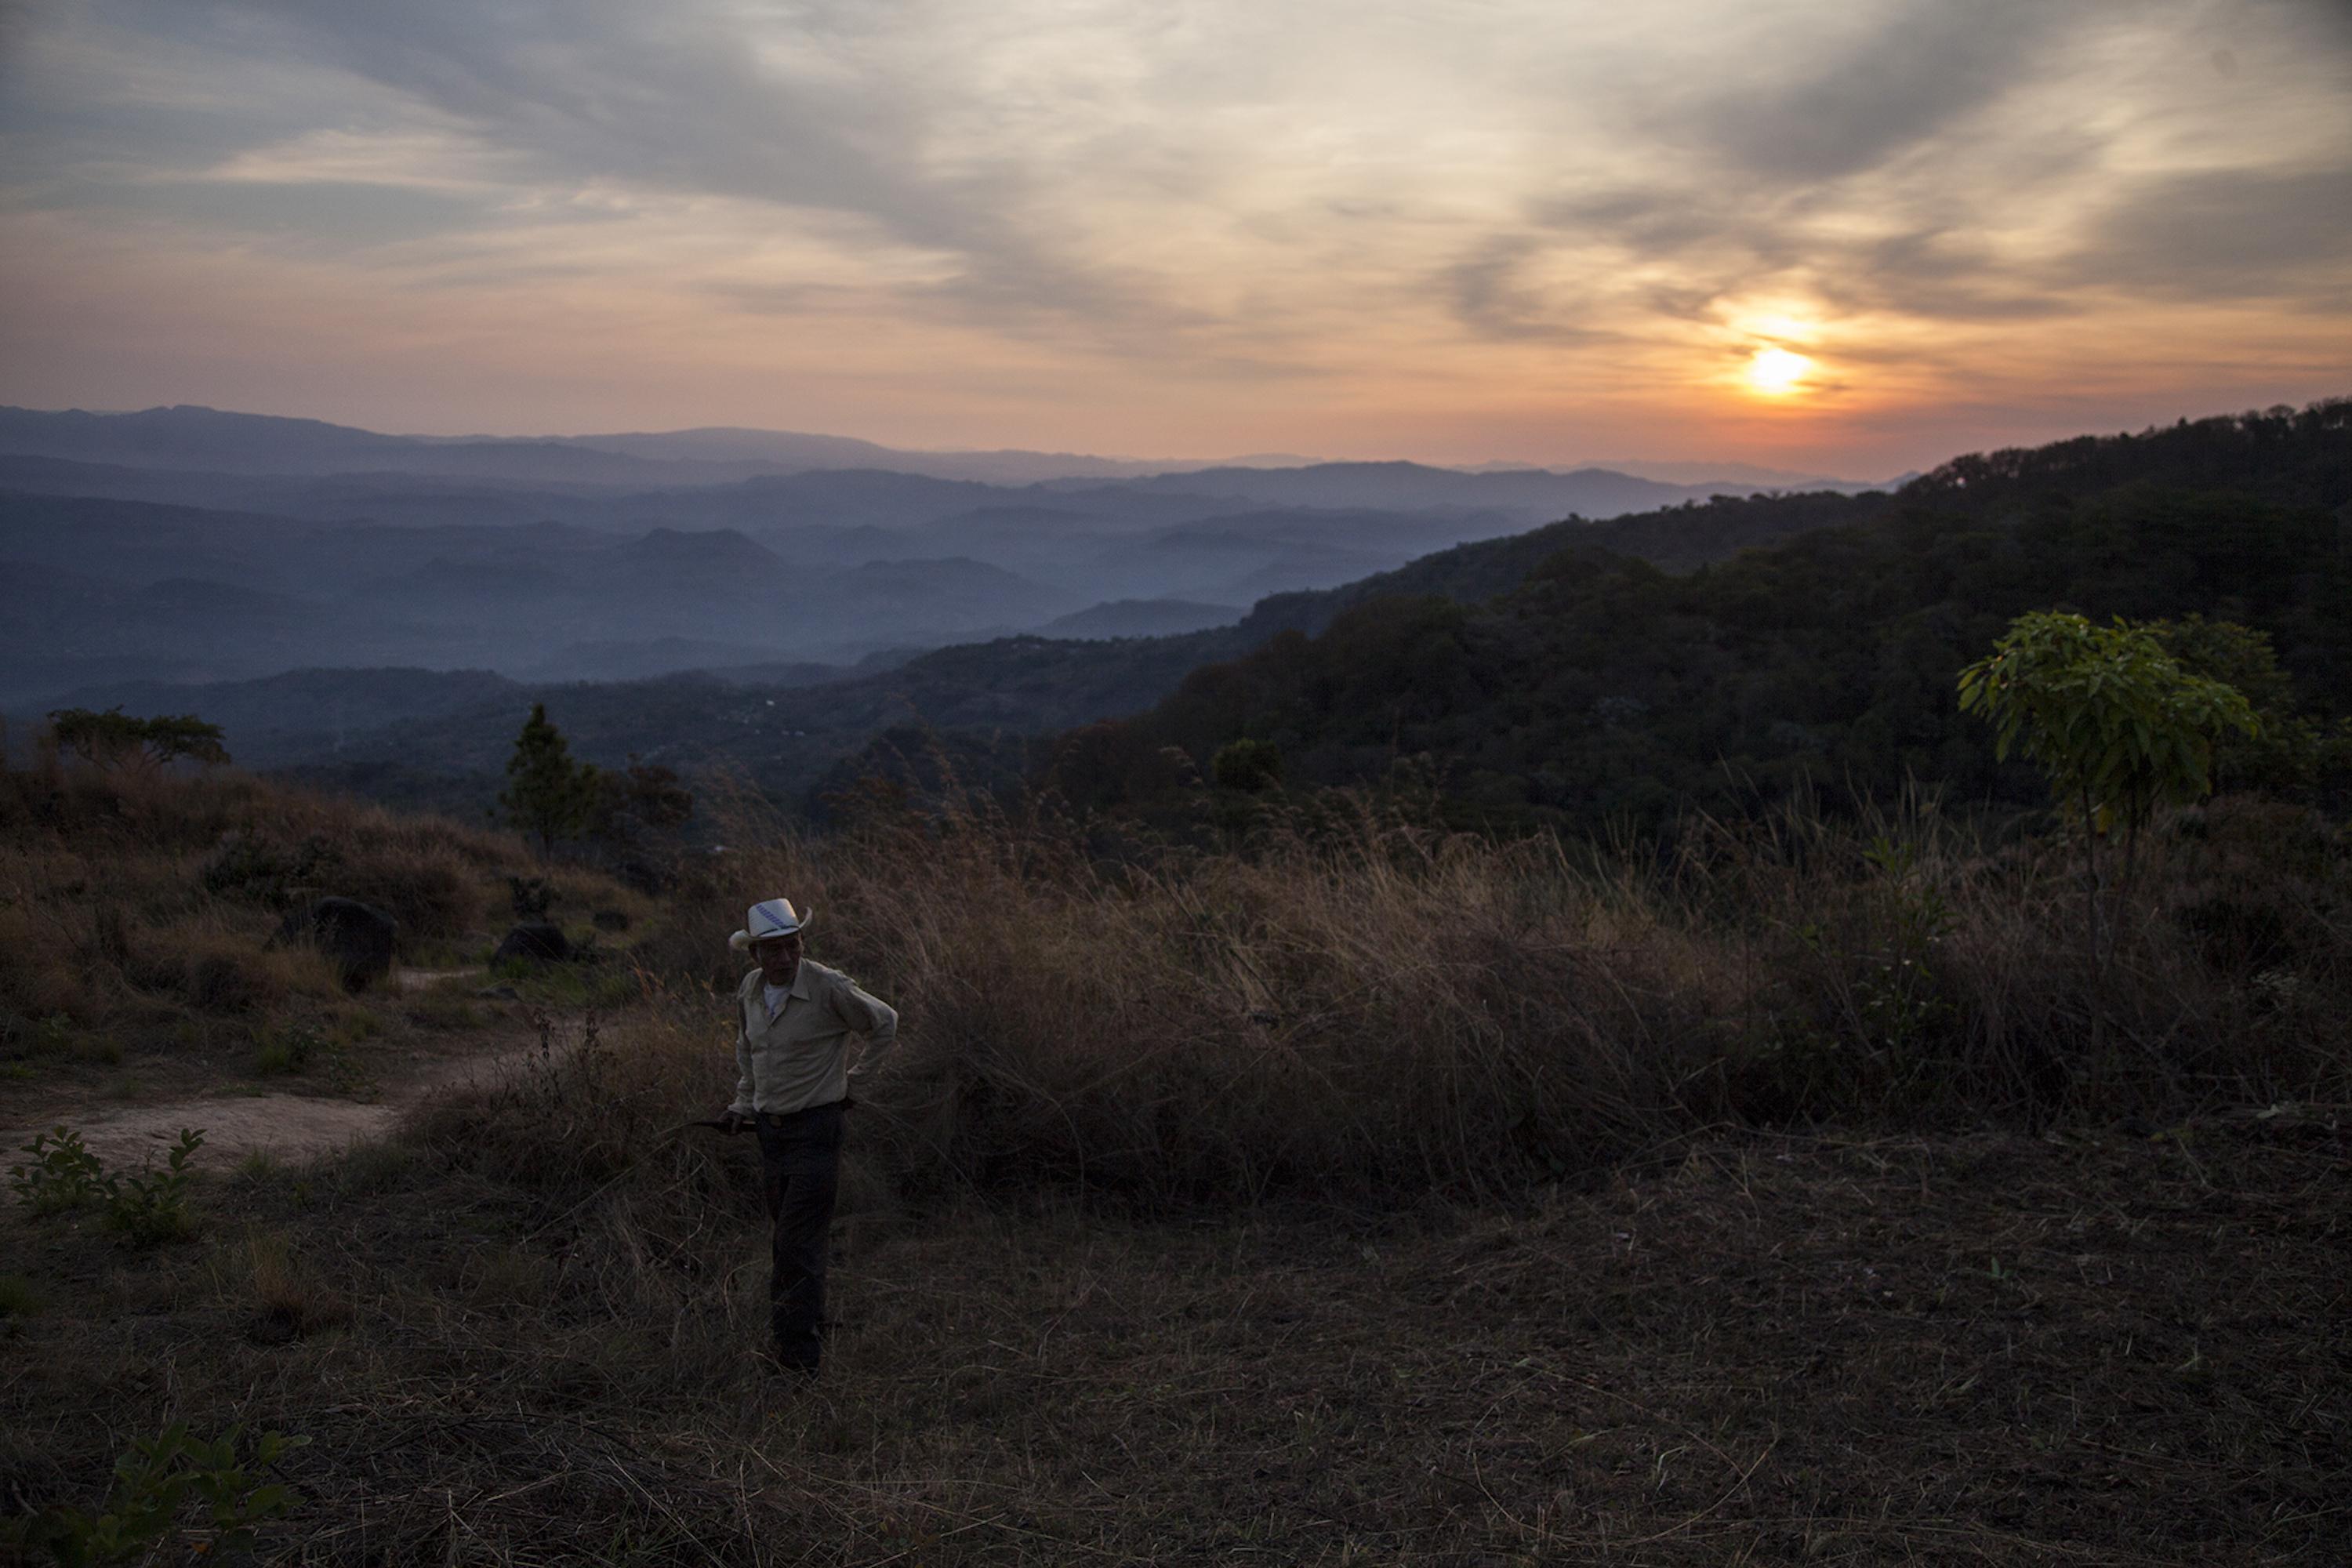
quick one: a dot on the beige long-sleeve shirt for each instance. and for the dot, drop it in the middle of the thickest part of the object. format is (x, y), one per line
(797, 1056)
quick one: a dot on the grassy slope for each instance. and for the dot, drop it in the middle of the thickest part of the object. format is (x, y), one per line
(1384, 1197)
(137, 913)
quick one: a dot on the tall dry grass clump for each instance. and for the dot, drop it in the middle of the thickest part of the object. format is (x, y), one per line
(1378, 1008)
(1910, 965)
(1367, 1008)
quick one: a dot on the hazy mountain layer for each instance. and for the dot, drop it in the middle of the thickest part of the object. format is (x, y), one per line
(235, 546)
(796, 730)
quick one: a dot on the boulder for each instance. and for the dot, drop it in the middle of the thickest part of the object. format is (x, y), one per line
(535, 941)
(358, 938)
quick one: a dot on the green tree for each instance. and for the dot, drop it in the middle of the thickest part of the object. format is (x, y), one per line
(548, 794)
(2113, 721)
(2116, 724)
(115, 738)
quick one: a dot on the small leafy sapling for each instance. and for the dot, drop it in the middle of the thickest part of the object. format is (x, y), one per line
(2116, 724)
(153, 1483)
(62, 1175)
(151, 1206)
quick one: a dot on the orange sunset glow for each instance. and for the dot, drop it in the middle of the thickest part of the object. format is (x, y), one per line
(1523, 231)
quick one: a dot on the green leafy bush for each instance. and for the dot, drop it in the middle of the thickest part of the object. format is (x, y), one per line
(63, 1175)
(158, 1479)
(2117, 725)
(151, 1206)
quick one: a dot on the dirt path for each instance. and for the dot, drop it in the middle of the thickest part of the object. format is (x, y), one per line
(290, 1126)
(421, 979)
(288, 1123)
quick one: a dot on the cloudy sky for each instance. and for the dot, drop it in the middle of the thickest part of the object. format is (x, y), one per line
(1854, 236)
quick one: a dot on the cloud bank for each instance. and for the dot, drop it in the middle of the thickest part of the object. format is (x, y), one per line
(1458, 229)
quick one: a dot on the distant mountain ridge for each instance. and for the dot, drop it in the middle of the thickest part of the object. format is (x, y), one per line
(196, 438)
(1537, 494)
(798, 724)
(403, 551)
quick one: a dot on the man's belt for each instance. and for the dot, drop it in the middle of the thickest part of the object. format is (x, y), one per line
(763, 1118)
(777, 1118)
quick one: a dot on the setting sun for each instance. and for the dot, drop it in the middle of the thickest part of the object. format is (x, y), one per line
(1776, 373)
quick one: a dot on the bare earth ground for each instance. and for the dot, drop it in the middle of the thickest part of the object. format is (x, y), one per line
(295, 1120)
(2093, 1347)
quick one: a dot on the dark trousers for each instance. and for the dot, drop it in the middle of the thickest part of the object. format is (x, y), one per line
(800, 1168)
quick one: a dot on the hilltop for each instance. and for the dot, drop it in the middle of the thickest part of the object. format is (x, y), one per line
(1598, 687)
(1785, 1133)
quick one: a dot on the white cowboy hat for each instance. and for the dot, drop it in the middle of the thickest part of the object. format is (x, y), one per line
(776, 917)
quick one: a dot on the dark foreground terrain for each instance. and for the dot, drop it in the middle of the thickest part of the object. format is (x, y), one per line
(1813, 1194)
(2126, 1346)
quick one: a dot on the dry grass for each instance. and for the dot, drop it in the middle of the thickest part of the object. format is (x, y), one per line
(1380, 1010)
(1374, 1197)
(138, 909)
(289, 1292)
(1983, 1349)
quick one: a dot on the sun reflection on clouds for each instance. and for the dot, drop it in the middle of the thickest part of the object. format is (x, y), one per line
(1345, 224)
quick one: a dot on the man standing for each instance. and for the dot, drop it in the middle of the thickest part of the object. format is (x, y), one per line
(793, 1022)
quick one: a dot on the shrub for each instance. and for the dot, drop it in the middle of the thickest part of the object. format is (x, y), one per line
(431, 890)
(63, 1175)
(147, 1207)
(254, 866)
(529, 897)
(157, 1481)
(39, 975)
(1249, 767)
(151, 1206)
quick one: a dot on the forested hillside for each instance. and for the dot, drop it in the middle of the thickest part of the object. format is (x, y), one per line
(1602, 687)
